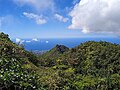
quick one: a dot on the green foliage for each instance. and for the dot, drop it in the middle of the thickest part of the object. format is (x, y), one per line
(89, 66)
(12, 73)
(50, 58)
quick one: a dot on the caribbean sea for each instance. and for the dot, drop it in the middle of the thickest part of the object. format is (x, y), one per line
(47, 44)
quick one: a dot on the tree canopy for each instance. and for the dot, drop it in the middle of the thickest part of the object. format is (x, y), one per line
(89, 66)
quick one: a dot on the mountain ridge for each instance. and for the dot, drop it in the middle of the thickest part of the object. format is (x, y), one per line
(89, 66)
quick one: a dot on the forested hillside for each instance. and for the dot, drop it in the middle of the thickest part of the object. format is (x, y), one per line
(89, 66)
(14, 63)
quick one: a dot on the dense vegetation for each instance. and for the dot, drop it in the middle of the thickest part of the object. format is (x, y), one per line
(14, 74)
(49, 58)
(89, 66)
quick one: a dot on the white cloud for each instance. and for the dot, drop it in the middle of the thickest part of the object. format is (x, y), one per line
(37, 4)
(27, 41)
(38, 18)
(96, 16)
(46, 41)
(19, 41)
(35, 39)
(61, 18)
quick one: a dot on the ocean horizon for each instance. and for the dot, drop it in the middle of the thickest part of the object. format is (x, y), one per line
(47, 44)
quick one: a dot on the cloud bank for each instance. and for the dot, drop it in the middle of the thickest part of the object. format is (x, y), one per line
(37, 18)
(61, 18)
(19, 41)
(46, 41)
(96, 16)
(35, 39)
(27, 41)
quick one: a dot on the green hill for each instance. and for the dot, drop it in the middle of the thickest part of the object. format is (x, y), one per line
(56, 51)
(15, 67)
(49, 58)
(89, 66)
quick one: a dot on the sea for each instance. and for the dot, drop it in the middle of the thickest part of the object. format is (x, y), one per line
(47, 44)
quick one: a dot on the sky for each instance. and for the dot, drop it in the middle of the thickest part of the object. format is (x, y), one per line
(60, 18)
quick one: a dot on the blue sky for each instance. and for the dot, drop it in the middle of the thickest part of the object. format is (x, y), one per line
(50, 19)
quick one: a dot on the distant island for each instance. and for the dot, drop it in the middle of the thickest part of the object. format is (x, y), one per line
(90, 66)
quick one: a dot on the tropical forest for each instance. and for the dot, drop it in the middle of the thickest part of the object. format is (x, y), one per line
(89, 66)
